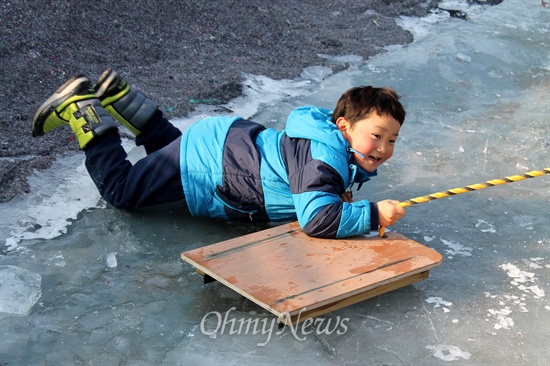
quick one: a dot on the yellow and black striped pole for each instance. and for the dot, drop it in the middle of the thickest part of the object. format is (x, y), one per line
(470, 188)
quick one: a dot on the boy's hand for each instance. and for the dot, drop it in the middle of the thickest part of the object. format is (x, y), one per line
(389, 212)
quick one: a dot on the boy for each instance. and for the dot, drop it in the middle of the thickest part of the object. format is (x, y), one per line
(231, 168)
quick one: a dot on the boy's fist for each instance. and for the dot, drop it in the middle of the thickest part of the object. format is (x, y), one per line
(389, 212)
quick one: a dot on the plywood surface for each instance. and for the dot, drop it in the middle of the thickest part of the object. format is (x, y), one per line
(285, 271)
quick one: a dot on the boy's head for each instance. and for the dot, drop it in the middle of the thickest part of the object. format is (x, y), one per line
(369, 119)
(356, 103)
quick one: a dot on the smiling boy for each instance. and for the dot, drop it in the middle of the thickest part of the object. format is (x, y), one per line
(231, 168)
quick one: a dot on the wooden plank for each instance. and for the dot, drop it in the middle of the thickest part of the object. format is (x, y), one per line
(306, 314)
(295, 276)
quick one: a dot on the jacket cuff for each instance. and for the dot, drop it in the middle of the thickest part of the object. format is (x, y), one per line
(374, 223)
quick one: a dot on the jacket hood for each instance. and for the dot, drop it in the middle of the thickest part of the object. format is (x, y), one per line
(315, 124)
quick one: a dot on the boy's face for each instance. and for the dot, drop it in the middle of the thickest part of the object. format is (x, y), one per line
(372, 139)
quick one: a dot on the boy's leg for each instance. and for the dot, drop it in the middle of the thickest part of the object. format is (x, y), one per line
(157, 133)
(135, 111)
(153, 180)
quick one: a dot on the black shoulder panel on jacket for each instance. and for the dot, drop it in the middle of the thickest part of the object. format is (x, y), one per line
(242, 187)
(306, 174)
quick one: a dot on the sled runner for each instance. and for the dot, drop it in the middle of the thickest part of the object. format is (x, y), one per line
(297, 277)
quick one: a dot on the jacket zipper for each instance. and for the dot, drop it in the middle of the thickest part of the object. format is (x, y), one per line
(250, 213)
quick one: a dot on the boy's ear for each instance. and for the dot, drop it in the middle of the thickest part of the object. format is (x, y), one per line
(342, 124)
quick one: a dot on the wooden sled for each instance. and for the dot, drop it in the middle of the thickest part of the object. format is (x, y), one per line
(297, 277)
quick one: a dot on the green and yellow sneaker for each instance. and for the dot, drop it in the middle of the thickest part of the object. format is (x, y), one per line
(129, 106)
(75, 104)
(50, 114)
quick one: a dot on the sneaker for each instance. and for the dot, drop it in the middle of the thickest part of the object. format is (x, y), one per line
(129, 106)
(51, 114)
(75, 104)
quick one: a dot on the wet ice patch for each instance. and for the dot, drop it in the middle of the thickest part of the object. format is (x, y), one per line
(456, 249)
(316, 73)
(463, 57)
(58, 259)
(485, 227)
(20, 289)
(533, 263)
(517, 301)
(438, 301)
(342, 60)
(420, 27)
(52, 207)
(523, 280)
(57, 195)
(526, 222)
(518, 275)
(448, 352)
(503, 320)
(262, 90)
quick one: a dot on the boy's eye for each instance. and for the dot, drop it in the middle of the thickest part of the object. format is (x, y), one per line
(376, 136)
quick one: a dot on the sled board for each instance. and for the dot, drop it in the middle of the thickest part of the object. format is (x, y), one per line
(297, 277)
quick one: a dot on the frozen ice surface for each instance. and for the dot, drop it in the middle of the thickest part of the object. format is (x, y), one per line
(477, 97)
(19, 289)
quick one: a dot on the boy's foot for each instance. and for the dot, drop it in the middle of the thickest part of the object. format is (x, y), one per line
(129, 106)
(50, 114)
(74, 104)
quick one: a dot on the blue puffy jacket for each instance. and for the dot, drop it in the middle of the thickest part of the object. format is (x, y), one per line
(233, 168)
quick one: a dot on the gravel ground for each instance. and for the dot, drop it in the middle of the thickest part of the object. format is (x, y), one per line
(176, 51)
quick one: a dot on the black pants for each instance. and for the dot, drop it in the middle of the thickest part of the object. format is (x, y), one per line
(155, 179)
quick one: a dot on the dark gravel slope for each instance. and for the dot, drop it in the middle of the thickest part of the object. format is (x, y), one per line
(176, 51)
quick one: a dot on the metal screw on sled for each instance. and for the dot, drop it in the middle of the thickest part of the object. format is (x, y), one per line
(470, 188)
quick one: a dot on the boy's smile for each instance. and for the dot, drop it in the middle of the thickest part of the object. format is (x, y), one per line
(371, 139)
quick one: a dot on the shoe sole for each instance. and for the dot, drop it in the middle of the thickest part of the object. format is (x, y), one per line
(57, 102)
(105, 81)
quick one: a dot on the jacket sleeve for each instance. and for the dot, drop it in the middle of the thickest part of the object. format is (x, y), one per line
(316, 190)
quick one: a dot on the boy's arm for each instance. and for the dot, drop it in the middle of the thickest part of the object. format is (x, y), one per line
(316, 190)
(325, 215)
(317, 187)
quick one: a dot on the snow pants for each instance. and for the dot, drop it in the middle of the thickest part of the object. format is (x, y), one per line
(153, 180)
